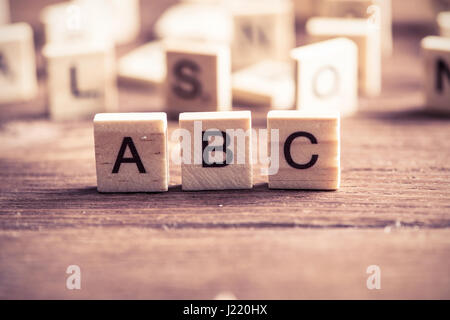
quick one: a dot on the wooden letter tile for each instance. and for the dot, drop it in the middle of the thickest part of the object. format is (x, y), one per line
(436, 55)
(268, 83)
(367, 38)
(121, 16)
(220, 153)
(17, 63)
(262, 30)
(131, 152)
(327, 80)
(198, 77)
(74, 21)
(377, 11)
(309, 149)
(81, 80)
(443, 21)
(127, 20)
(203, 21)
(144, 65)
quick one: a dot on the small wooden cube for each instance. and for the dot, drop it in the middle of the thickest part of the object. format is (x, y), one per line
(309, 149)
(127, 22)
(262, 30)
(198, 77)
(122, 17)
(367, 38)
(268, 83)
(327, 80)
(436, 57)
(443, 20)
(74, 21)
(377, 11)
(17, 63)
(145, 65)
(131, 152)
(81, 80)
(202, 21)
(4, 12)
(220, 150)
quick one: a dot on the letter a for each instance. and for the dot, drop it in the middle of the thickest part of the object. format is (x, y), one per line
(128, 142)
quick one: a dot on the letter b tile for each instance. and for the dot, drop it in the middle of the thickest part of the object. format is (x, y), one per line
(131, 152)
(219, 150)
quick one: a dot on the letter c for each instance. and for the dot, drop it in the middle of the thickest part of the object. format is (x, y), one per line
(287, 150)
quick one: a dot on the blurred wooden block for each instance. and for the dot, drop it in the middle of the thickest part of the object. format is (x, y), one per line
(81, 80)
(309, 149)
(17, 63)
(131, 152)
(262, 30)
(74, 21)
(198, 77)
(327, 80)
(128, 20)
(268, 83)
(146, 64)
(256, 30)
(443, 21)
(367, 38)
(196, 21)
(219, 159)
(436, 55)
(377, 11)
(122, 16)
(4, 12)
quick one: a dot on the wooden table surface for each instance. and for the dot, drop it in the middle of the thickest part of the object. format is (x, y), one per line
(392, 210)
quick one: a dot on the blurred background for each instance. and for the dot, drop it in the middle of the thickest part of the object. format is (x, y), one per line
(409, 17)
(403, 11)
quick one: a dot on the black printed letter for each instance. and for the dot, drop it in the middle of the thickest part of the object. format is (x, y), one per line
(128, 142)
(287, 150)
(4, 68)
(74, 86)
(441, 70)
(228, 155)
(190, 87)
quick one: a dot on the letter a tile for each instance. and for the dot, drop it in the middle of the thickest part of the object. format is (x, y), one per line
(131, 152)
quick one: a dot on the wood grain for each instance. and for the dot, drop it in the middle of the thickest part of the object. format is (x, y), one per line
(248, 263)
(392, 210)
